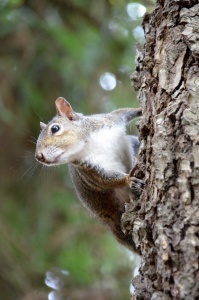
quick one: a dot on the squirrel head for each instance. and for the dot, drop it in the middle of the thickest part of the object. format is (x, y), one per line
(64, 138)
(59, 141)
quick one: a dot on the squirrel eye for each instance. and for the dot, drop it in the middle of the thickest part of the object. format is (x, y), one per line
(55, 128)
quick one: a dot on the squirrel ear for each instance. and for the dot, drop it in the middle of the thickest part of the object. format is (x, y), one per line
(64, 109)
(42, 125)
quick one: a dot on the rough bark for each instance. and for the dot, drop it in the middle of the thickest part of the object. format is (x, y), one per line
(164, 222)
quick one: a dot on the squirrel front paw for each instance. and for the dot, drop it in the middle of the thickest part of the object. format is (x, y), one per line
(136, 185)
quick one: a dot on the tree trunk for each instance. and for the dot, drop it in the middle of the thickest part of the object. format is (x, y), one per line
(164, 222)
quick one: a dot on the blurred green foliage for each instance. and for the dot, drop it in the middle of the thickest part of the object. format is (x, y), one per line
(55, 48)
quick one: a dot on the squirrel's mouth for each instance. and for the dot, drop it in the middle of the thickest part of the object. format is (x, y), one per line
(43, 160)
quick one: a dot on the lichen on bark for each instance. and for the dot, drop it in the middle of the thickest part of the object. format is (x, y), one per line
(164, 222)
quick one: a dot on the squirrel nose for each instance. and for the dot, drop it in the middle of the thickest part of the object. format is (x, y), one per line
(40, 157)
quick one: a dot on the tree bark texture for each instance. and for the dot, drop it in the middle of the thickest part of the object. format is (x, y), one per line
(164, 222)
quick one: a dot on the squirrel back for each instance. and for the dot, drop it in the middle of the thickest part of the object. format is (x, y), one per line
(100, 156)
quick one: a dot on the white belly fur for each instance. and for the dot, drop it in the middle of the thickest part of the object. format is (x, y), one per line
(110, 149)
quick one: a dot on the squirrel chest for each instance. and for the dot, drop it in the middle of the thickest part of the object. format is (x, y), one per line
(106, 150)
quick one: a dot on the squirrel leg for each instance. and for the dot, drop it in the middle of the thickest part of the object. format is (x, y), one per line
(124, 238)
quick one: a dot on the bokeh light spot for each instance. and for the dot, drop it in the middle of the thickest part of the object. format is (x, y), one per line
(108, 81)
(135, 10)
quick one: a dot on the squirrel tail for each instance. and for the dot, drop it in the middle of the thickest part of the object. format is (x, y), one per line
(126, 114)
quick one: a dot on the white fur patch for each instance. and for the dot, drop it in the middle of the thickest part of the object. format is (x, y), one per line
(73, 152)
(109, 148)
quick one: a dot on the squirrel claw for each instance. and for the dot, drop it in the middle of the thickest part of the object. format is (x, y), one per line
(136, 185)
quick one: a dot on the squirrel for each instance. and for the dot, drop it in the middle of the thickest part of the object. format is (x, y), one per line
(100, 156)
